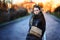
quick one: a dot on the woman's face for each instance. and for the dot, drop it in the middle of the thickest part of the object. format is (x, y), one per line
(36, 11)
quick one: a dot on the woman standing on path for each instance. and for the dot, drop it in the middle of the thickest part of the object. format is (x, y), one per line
(37, 24)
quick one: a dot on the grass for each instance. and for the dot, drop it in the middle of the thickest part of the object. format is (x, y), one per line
(57, 14)
(1, 22)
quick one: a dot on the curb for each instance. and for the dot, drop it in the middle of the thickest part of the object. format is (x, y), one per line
(16, 20)
(57, 19)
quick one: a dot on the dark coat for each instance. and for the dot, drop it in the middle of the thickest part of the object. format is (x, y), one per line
(38, 21)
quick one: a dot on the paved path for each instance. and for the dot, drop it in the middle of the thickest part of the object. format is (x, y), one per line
(52, 27)
(17, 30)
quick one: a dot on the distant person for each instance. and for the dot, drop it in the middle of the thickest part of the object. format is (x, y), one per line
(37, 24)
